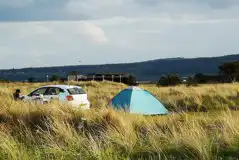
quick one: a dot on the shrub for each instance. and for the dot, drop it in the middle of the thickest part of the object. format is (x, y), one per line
(169, 80)
(191, 81)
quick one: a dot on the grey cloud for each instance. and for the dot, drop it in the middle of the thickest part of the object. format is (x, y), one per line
(33, 14)
(15, 3)
(212, 3)
(39, 10)
(220, 4)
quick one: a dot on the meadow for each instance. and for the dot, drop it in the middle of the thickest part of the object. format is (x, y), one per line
(202, 124)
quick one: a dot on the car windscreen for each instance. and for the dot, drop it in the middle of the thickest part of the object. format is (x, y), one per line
(74, 91)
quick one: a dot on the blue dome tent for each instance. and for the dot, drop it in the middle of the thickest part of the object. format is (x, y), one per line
(139, 101)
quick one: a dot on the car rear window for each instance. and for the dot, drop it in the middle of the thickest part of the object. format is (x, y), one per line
(75, 90)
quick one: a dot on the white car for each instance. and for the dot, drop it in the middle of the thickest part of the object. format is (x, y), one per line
(73, 95)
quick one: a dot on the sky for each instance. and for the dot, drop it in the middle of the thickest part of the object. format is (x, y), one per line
(37, 33)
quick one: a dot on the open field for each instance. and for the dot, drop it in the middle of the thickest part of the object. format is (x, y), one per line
(203, 125)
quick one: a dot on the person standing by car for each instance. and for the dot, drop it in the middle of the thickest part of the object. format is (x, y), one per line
(62, 95)
(17, 95)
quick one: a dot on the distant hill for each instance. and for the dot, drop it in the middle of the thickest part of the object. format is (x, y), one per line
(148, 70)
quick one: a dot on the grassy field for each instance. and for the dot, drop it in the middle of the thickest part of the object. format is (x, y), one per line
(203, 124)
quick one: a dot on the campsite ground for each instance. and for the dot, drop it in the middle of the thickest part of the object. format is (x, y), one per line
(203, 125)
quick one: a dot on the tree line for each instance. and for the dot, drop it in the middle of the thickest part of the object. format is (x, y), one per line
(52, 78)
(227, 73)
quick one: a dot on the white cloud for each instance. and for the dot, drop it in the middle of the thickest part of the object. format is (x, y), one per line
(36, 43)
(58, 29)
(94, 32)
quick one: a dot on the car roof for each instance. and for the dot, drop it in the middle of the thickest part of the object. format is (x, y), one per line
(62, 86)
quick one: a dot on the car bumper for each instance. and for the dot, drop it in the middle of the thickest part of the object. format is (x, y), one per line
(83, 105)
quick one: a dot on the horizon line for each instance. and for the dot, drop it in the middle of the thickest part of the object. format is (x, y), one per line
(120, 63)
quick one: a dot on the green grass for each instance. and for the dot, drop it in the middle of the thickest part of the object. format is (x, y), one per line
(203, 125)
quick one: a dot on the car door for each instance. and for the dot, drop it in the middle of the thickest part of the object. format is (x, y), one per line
(53, 93)
(35, 95)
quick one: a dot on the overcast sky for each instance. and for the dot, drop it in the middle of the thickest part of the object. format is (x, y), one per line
(65, 32)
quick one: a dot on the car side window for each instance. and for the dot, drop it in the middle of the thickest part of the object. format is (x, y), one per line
(54, 91)
(76, 90)
(39, 91)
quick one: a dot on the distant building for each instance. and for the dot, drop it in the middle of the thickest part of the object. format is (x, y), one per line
(76, 77)
(114, 77)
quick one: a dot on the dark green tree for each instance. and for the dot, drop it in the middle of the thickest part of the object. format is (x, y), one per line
(74, 73)
(163, 81)
(231, 69)
(191, 81)
(131, 80)
(31, 79)
(200, 78)
(55, 77)
(169, 80)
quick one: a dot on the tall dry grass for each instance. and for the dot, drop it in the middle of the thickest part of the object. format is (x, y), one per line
(56, 131)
